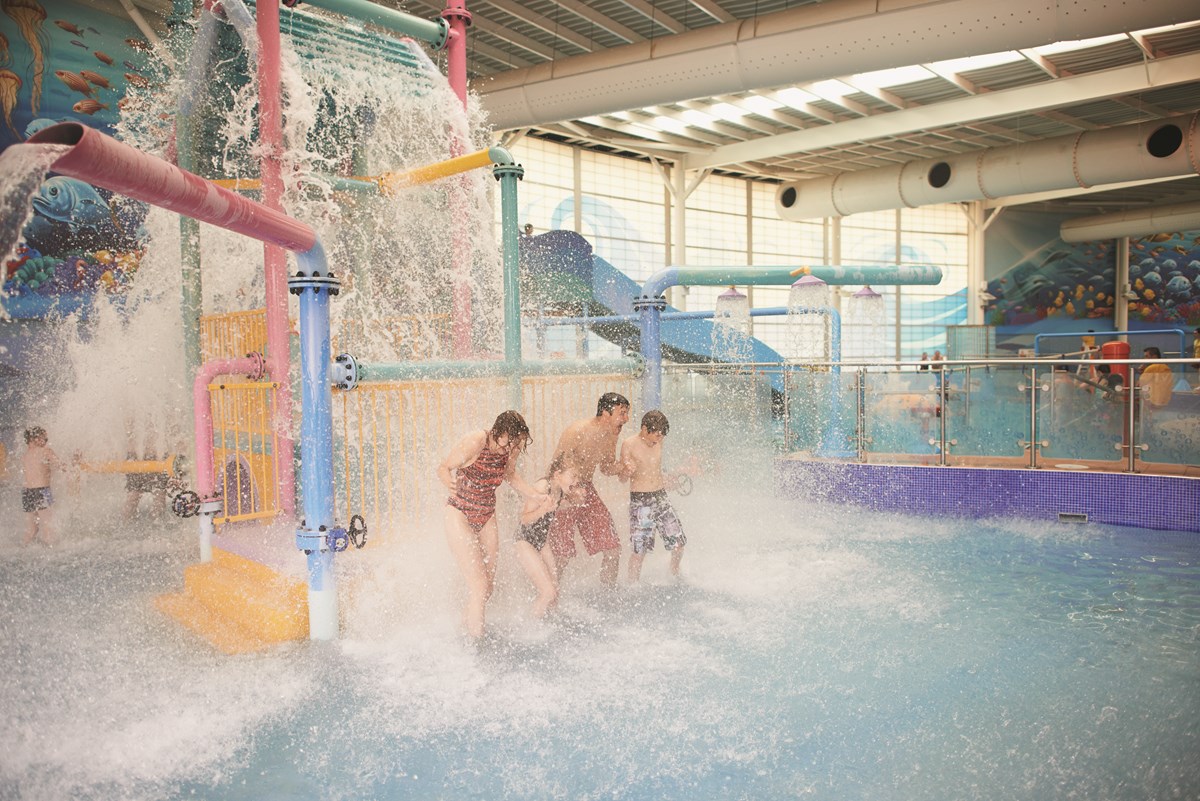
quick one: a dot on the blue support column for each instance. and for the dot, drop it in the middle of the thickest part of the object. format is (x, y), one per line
(317, 536)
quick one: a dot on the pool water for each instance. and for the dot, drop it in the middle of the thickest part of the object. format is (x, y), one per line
(810, 652)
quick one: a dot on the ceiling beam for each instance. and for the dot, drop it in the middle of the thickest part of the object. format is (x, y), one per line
(584, 11)
(1129, 80)
(713, 10)
(542, 23)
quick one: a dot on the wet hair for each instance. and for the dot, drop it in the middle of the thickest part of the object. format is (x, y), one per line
(609, 401)
(34, 432)
(514, 425)
(655, 422)
(1152, 353)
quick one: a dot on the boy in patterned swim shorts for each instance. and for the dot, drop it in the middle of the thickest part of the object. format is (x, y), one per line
(649, 508)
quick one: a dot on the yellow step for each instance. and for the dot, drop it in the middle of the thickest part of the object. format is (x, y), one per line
(223, 634)
(260, 606)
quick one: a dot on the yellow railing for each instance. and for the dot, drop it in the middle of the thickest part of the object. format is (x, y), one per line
(390, 437)
(233, 334)
(245, 450)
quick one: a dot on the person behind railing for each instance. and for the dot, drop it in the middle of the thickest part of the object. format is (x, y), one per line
(1196, 348)
(1157, 380)
(1111, 381)
(924, 361)
(473, 471)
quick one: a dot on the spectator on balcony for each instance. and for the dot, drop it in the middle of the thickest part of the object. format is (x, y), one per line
(1157, 379)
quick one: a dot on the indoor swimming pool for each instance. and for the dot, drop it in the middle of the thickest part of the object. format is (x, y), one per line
(810, 652)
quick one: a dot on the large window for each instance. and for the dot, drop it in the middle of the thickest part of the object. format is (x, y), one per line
(624, 212)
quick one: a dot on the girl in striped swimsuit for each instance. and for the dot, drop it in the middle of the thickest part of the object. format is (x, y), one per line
(473, 470)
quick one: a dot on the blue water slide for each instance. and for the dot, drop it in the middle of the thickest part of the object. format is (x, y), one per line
(561, 271)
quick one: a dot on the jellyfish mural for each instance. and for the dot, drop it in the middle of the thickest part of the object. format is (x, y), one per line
(10, 84)
(29, 15)
(4, 56)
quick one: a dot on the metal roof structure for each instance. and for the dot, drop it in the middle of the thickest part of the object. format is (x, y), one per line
(965, 96)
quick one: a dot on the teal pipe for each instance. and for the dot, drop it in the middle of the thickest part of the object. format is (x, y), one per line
(508, 175)
(435, 32)
(780, 275)
(436, 371)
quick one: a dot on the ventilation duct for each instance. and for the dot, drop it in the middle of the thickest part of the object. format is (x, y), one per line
(1133, 222)
(1159, 149)
(808, 43)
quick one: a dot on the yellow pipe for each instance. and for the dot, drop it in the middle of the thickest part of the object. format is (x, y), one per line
(392, 181)
(239, 184)
(166, 465)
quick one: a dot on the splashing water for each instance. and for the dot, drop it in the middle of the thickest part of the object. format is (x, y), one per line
(842, 657)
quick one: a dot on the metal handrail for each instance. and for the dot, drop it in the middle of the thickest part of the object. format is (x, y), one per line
(1037, 369)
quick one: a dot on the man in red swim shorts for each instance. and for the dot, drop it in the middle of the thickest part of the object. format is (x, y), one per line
(591, 444)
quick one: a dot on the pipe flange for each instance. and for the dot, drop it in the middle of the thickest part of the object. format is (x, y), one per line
(316, 282)
(501, 170)
(211, 506)
(260, 366)
(310, 541)
(345, 372)
(444, 33)
(639, 363)
(643, 302)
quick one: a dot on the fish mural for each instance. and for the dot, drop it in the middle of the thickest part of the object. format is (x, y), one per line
(1050, 285)
(88, 106)
(29, 16)
(74, 82)
(103, 57)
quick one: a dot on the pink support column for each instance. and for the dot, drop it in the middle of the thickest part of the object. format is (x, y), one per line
(270, 108)
(459, 18)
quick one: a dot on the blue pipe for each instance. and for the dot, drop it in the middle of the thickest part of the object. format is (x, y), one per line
(1037, 340)
(314, 285)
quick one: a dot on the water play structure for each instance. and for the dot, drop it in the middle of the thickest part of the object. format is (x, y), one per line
(815, 650)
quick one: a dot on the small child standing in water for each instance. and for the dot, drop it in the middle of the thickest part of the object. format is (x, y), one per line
(36, 499)
(536, 559)
(649, 509)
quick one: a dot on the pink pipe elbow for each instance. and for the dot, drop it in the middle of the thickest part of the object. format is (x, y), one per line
(103, 161)
(251, 366)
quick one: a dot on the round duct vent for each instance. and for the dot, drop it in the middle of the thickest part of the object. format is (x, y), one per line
(787, 198)
(1165, 141)
(939, 175)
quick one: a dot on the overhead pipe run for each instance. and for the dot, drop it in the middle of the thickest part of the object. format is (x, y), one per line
(1143, 151)
(1132, 222)
(809, 43)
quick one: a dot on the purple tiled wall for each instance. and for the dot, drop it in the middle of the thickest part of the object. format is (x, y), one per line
(1159, 502)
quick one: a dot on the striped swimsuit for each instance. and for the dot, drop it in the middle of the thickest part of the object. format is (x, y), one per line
(475, 487)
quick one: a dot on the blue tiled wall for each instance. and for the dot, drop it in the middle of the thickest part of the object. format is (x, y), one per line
(1160, 502)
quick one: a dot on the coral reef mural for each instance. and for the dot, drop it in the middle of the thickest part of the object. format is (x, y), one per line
(55, 66)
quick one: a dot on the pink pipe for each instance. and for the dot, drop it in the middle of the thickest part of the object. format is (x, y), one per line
(459, 18)
(270, 110)
(103, 161)
(251, 366)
